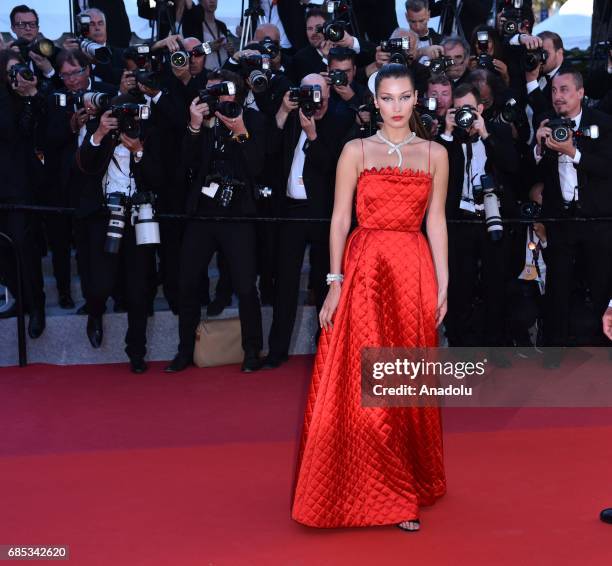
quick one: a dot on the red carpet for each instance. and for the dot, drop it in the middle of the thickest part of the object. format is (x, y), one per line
(196, 469)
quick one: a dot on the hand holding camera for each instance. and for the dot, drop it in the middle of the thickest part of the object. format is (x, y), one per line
(23, 83)
(236, 125)
(431, 52)
(78, 120)
(531, 42)
(382, 57)
(479, 125)
(449, 123)
(41, 62)
(197, 111)
(106, 126)
(289, 104)
(308, 125)
(133, 144)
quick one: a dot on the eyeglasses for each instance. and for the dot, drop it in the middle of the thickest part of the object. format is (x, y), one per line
(26, 25)
(74, 74)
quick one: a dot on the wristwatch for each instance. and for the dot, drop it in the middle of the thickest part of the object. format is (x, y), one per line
(241, 138)
(138, 155)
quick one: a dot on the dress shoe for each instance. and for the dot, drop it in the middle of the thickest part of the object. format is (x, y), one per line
(36, 325)
(273, 361)
(94, 331)
(138, 365)
(216, 307)
(65, 301)
(606, 515)
(251, 362)
(82, 309)
(179, 363)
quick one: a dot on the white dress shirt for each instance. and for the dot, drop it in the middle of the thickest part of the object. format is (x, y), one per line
(568, 174)
(295, 183)
(117, 178)
(271, 15)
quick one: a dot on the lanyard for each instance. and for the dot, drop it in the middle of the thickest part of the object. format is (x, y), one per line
(210, 31)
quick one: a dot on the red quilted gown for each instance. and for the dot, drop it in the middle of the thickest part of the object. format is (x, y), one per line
(362, 466)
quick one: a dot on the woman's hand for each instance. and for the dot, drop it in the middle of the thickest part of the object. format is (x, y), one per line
(330, 305)
(442, 307)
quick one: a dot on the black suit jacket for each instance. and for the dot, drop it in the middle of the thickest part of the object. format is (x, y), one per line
(594, 176)
(117, 21)
(306, 61)
(293, 16)
(321, 157)
(473, 14)
(502, 163)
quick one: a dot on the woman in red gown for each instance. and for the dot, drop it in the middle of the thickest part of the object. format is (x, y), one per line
(363, 466)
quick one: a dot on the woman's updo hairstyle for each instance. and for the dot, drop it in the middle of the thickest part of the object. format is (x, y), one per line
(397, 71)
(393, 71)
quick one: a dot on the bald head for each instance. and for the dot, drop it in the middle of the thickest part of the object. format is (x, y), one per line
(190, 42)
(414, 39)
(314, 79)
(267, 30)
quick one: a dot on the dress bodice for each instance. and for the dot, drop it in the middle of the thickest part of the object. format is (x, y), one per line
(392, 199)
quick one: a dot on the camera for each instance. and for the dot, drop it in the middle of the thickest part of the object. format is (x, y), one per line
(262, 192)
(180, 58)
(487, 193)
(533, 58)
(337, 77)
(211, 97)
(95, 51)
(510, 112)
(531, 210)
(148, 72)
(97, 100)
(332, 31)
(485, 61)
(256, 68)
(513, 16)
(465, 117)
(440, 65)
(308, 97)
(71, 100)
(145, 224)
(398, 58)
(40, 46)
(128, 115)
(117, 204)
(561, 128)
(395, 45)
(19, 69)
(426, 107)
(269, 47)
(226, 188)
(482, 41)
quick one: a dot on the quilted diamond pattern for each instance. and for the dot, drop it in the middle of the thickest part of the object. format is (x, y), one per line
(373, 466)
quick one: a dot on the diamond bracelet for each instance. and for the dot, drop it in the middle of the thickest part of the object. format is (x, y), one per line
(331, 277)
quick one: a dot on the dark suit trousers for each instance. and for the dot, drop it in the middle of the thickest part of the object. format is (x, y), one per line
(104, 269)
(471, 254)
(22, 229)
(236, 241)
(592, 242)
(59, 236)
(293, 238)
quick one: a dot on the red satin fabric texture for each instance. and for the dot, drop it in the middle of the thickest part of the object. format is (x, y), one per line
(362, 466)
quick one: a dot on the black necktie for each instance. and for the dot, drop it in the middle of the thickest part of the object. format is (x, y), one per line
(425, 38)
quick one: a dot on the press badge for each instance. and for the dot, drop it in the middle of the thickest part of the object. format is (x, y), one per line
(211, 190)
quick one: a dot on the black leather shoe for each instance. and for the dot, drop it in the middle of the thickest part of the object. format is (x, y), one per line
(36, 325)
(251, 363)
(138, 365)
(94, 331)
(65, 301)
(216, 307)
(273, 361)
(82, 309)
(179, 363)
(606, 515)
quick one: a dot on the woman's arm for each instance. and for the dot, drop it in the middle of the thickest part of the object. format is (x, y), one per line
(436, 225)
(346, 181)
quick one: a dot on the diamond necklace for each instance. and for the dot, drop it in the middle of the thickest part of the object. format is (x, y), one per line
(396, 146)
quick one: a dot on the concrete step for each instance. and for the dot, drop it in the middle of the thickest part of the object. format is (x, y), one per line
(65, 342)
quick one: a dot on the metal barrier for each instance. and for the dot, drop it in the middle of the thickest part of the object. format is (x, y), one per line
(21, 337)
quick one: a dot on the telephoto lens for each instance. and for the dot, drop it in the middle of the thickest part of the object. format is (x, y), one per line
(258, 81)
(117, 204)
(145, 224)
(99, 53)
(394, 45)
(493, 219)
(97, 100)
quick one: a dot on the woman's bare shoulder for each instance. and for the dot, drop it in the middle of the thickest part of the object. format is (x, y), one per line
(438, 151)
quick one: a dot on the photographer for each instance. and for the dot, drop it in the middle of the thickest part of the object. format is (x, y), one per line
(439, 87)
(38, 52)
(473, 13)
(122, 161)
(574, 165)
(417, 16)
(309, 138)
(313, 58)
(476, 148)
(458, 50)
(488, 53)
(345, 93)
(22, 123)
(106, 60)
(223, 151)
(66, 129)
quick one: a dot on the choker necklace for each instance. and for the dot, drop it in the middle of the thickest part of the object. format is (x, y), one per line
(396, 146)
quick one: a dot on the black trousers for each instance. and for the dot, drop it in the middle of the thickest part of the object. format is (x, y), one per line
(171, 235)
(525, 306)
(236, 241)
(472, 258)
(103, 270)
(592, 243)
(293, 239)
(58, 228)
(23, 229)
